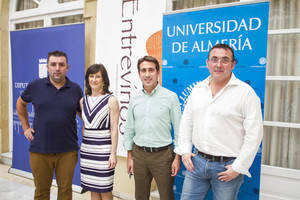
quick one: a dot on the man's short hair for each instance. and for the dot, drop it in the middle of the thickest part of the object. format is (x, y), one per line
(57, 53)
(223, 46)
(149, 59)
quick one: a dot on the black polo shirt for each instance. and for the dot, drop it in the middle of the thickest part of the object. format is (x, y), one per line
(54, 115)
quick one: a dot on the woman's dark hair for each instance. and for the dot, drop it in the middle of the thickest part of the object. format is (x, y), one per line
(93, 69)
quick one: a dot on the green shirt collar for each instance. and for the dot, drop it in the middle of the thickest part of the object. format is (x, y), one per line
(153, 91)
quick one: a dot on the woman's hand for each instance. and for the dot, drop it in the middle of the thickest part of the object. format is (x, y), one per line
(112, 162)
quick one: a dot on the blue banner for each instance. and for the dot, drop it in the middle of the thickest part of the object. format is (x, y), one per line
(29, 51)
(187, 38)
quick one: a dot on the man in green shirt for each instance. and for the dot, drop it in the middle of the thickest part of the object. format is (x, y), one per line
(147, 138)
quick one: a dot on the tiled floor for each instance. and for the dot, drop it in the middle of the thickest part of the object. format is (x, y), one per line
(17, 187)
(13, 190)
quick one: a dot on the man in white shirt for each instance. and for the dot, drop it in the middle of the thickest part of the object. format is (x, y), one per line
(223, 120)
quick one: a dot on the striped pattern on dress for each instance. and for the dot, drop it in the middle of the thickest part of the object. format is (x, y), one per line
(96, 146)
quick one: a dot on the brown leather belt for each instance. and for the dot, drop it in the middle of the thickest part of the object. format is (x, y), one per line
(215, 158)
(153, 149)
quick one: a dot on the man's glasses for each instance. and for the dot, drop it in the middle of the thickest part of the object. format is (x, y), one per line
(224, 60)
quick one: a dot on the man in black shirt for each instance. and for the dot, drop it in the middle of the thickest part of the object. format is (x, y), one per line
(53, 137)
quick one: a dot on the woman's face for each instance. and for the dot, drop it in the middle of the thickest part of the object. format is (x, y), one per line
(96, 81)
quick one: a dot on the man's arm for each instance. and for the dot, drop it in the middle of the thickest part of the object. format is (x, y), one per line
(128, 137)
(175, 120)
(79, 113)
(129, 132)
(129, 162)
(175, 115)
(253, 132)
(23, 116)
(185, 144)
(176, 165)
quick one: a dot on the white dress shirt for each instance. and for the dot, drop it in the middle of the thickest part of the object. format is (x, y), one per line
(228, 124)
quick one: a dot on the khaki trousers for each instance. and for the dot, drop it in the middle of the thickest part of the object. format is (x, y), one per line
(149, 165)
(43, 167)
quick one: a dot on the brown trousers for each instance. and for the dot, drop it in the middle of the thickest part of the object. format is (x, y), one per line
(149, 165)
(43, 167)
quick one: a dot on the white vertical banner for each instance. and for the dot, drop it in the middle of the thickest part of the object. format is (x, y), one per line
(126, 31)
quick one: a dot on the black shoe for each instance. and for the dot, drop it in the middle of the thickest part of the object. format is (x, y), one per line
(83, 191)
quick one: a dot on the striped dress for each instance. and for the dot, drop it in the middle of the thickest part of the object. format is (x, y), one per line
(96, 145)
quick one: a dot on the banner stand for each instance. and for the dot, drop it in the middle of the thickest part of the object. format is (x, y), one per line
(29, 52)
(189, 34)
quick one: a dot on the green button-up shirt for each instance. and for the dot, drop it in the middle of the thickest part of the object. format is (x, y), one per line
(151, 117)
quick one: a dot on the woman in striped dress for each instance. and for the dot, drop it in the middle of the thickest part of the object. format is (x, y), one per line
(100, 114)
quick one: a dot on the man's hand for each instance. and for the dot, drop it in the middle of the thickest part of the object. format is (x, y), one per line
(129, 163)
(28, 133)
(175, 165)
(228, 175)
(187, 161)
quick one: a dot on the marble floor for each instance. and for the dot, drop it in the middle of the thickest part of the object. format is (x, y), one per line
(17, 187)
